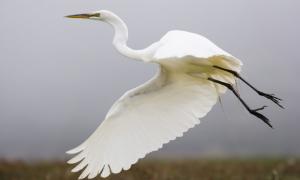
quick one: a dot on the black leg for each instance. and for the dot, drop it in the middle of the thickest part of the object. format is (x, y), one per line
(251, 111)
(272, 97)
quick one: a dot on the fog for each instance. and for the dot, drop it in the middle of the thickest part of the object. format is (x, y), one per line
(58, 76)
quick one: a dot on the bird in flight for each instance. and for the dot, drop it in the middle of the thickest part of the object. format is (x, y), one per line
(193, 73)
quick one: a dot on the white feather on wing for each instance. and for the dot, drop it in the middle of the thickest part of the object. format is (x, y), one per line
(142, 121)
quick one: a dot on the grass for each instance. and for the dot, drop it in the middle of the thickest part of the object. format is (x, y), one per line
(205, 169)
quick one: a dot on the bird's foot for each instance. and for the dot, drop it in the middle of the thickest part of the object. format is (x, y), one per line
(260, 116)
(272, 97)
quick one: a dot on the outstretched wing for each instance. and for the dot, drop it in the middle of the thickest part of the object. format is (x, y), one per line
(142, 121)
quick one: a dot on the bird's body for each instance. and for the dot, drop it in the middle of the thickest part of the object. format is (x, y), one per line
(160, 110)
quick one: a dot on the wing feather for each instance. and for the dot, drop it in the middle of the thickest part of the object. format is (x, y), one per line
(142, 121)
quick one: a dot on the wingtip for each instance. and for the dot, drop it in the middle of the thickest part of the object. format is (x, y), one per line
(105, 172)
(75, 150)
(70, 152)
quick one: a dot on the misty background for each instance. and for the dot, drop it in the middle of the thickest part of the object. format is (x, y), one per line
(59, 77)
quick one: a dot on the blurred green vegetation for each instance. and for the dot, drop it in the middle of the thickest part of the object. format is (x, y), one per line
(204, 169)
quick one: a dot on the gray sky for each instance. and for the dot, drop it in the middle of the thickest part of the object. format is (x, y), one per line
(58, 77)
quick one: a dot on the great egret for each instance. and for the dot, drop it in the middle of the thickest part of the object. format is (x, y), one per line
(193, 73)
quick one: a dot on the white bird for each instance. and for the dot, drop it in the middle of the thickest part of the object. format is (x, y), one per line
(193, 73)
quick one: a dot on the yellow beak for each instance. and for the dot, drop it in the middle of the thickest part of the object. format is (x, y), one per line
(83, 16)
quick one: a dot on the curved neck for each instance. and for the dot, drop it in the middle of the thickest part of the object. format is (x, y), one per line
(121, 37)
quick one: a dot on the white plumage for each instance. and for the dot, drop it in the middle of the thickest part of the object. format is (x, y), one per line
(153, 114)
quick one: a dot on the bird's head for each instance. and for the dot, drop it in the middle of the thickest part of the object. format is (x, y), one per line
(102, 15)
